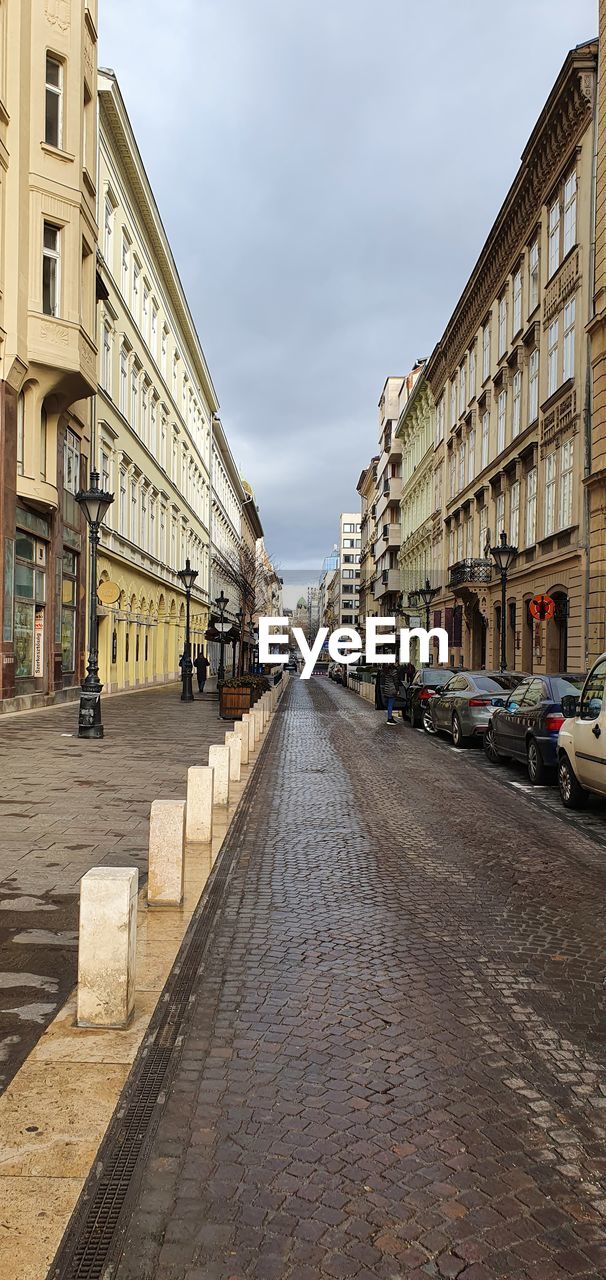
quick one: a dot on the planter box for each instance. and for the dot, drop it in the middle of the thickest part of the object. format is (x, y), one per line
(234, 703)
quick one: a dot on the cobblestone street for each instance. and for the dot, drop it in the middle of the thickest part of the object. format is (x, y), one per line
(68, 805)
(394, 1064)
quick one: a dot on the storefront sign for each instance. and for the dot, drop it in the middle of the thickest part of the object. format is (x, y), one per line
(39, 643)
(108, 592)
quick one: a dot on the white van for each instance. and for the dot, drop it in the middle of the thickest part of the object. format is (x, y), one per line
(582, 741)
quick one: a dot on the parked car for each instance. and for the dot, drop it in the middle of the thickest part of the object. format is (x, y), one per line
(292, 664)
(421, 690)
(335, 671)
(582, 741)
(526, 727)
(464, 705)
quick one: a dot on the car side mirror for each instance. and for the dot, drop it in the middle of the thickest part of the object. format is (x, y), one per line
(497, 702)
(570, 705)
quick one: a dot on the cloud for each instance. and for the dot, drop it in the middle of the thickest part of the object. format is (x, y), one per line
(327, 174)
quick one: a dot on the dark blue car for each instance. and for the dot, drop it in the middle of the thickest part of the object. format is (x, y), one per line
(526, 727)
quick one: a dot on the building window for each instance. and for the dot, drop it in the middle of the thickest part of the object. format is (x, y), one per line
(472, 373)
(105, 472)
(134, 392)
(123, 517)
(451, 546)
(21, 435)
(106, 367)
(485, 439)
(471, 456)
(136, 289)
(146, 313)
(569, 317)
(68, 611)
(517, 403)
(566, 457)
(163, 353)
(71, 462)
(469, 538)
(51, 263)
(517, 301)
(531, 507)
(486, 351)
(514, 513)
(552, 358)
(462, 389)
(154, 331)
(460, 542)
(554, 237)
(144, 411)
(501, 415)
(125, 263)
(483, 530)
(108, 228)
(133, 511)
(53, 120)
(144, 520)
(533, 277)
(462, 465)
(500, 514)
(550, 493)
(453, 474)
(440, 420)
(502, 326)
(123, 381)
(570, 211)
(453, 402)
(533, 386)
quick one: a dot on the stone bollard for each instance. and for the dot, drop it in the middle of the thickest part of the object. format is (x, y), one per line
(166, 848)
(218, 759)
(257, 726)
(107, 947)
(199, 808)
(234, 746)
(242, 732)
(265, 710)
(247, 720)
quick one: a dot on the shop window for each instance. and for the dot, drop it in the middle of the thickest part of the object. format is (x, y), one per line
(127, 647)
(137, 647)
(114, 647)
(146, 647)
(29, 601)
(68, 611)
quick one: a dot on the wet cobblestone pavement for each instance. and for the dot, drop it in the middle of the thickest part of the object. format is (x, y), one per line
(395, 1065)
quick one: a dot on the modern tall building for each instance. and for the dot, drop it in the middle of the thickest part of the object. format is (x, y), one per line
(348, 574)
(48, 346)
(155, 434)
(509, 379)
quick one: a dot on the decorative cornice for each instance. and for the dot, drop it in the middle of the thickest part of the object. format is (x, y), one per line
(564, 119)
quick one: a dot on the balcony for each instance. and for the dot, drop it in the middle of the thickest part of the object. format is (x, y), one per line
(388, 580)
(470, 571)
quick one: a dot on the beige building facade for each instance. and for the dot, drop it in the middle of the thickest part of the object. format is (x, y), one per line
(596, 466)
(48, 350)
(508, 379)
(415, 433)
(154, 426)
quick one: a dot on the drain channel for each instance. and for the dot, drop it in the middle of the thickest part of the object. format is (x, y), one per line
(84, 1251)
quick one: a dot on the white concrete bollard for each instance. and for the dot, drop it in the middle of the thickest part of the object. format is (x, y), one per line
(257, 723)
(248, 721)
(218, 759)
(234, 745)
(265, 709)
(242, 732)
(107, 947)
(166, 848)
(199, 808)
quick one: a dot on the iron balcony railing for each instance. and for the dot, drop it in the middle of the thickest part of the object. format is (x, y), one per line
(470, 570)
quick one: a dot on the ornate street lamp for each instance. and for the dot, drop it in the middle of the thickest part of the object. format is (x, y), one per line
(425, 595)
(503, 556)
(221, 603)
(94, 503)
(187, 577)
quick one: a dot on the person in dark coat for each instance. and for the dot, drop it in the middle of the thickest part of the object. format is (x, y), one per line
(201, 664)
(390, 691)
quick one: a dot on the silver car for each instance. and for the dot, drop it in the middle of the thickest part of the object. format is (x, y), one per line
(464, 705)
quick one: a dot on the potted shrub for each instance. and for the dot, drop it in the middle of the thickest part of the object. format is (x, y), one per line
(238, 694)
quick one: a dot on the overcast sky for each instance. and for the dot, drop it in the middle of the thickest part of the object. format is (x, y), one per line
(327, 172)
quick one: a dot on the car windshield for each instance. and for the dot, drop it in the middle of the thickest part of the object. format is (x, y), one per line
(492, 684)
(436, 676)
(562, 685)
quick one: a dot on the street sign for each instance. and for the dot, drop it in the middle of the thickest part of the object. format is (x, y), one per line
(542, 608)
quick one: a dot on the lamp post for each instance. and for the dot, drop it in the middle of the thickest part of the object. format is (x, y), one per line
(187, 576)
(221, 603)
(503, 556)
(425, 595)
(94, 503)
(239, 620)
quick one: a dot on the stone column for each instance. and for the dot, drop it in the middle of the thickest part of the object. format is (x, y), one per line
(107, 947)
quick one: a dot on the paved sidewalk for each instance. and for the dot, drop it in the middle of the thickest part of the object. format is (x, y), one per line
(67, 805)
(395, 1065)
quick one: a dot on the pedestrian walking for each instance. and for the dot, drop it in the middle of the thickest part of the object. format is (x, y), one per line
(390, 691)
(201, 664)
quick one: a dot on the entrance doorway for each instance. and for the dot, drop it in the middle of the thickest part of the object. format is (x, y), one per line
(557, 634)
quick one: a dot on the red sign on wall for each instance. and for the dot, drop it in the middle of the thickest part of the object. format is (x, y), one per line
(542, 608)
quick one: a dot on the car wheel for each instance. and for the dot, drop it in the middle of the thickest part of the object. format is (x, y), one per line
(494, 756)
(458, 737)
(572, 794)
(428, 723)
(537, 771)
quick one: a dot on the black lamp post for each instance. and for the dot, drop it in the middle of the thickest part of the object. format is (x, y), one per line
(221, 603)
(239, 620)
(95, 504)
(503, 556)
(424, 595)
(187, 576)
